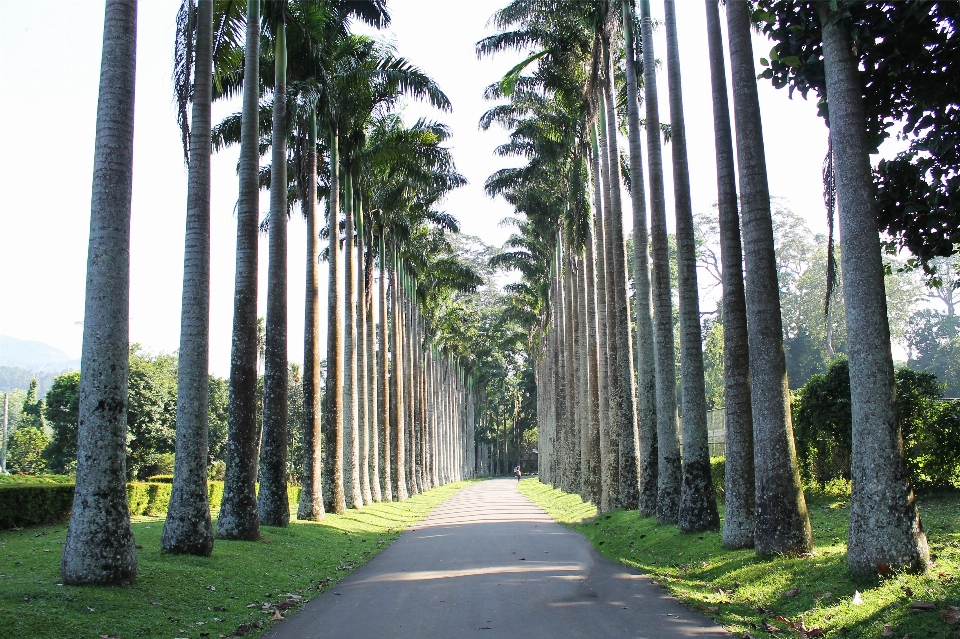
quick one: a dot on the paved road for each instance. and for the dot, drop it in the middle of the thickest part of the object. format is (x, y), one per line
(488, 563)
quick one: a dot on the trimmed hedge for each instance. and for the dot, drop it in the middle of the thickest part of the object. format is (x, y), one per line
(160, 479)
(34, 504)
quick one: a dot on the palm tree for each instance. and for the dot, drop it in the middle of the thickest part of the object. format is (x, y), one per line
(188, 528)
(698, 506)
(239, 518)
(272, 500)
(782, 524)
(311, 494)
(739, 496)
(646, 359)
(99, 547)
(885, 529)
(668, 468)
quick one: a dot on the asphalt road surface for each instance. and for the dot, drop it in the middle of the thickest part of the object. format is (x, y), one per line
(488, 563)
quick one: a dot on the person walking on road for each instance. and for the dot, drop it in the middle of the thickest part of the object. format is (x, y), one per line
(516, 471)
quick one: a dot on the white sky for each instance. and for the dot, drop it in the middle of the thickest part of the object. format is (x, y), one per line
(49, 61)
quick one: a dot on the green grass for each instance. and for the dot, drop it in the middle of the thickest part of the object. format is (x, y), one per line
(180, 596)
(749, 595)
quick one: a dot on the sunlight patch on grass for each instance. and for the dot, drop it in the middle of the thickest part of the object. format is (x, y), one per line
(761, 597)
(183, 596)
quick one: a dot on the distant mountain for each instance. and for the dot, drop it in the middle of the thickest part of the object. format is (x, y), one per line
(34, 356)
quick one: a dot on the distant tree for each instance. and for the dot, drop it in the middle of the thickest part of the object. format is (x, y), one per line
(25, 451)
(933, 345)
(151, 412)
(31, 414)
(218, 405)
(63, 413)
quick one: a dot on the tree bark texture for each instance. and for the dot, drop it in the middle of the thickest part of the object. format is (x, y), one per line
(310, 507)
(272, 498)
(188, 528)
(646, 354)
(383, 385)
(783, 526)
(239, 518)
(739, 495)
(668, 448)
(100, 548)
(698, 505)
(351, 415)
(885, 531)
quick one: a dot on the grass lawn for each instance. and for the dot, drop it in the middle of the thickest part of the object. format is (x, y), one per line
(235, 592)
(783, 597)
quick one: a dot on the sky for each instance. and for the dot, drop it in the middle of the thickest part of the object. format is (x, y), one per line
(49, 71)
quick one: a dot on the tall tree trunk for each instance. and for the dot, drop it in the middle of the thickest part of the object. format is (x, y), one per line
(627, 429)
(334, 497)
(100, 548)
(272, 498)
(187, 528)
(373, 377)
(668, 448)
(885, 530)
(571, 440)
(646, 355)
(698, 504)
(397, 409)
(608, 460)
(739, 513)
(363, 388)
(590, 442)
(783, 526)
(239, 519)
(351, 439)
(311, 494)
(383, 383)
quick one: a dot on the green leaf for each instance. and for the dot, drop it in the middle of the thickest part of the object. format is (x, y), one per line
(764, 62)
(791, 61)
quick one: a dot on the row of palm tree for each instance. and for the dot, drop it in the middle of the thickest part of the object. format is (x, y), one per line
(608, 415)
(397, 414)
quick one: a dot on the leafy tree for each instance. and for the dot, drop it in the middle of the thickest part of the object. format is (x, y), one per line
(62, 414)
(218, 405)
(907, 52)
(933, 341)
(151, 412)
(31, 414)
(25, 451)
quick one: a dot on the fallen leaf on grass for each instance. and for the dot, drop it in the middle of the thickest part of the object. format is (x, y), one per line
(768, 627)
(887, 631)
(708, 608)
(276, 616)
(951, 615)
(815, 632)
(857, 598)
(247, 627)
(793, 592)
(919, 606)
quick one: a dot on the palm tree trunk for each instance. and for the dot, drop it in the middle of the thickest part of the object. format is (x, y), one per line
(239, 519)
(739, 514)
(646, 358)
(187, 528)
(783, 526)
(614, 379)
(383, 384)
(607, 460)
(627, 429)
(668, 449)
(272, 498)
(571, 439)
(885, 529)
(100, 548)
(351, 439)
(397, 431)
(590, 443)
(334, 497)
(311, 494)
(363, 390)
(698, 504)
(374, 378)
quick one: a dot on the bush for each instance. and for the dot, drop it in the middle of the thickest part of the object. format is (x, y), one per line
(25, 452)
(160, 479)
(718, 470)
(32, 504)
(822, 428)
